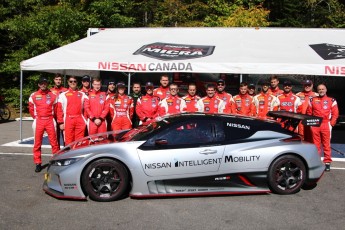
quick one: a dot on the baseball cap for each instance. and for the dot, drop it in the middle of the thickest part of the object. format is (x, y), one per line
(111, 82)
(251, 86)
(265, 82)
(287, 82)
(121, 84)
(42, 79)
(149, 85)
(220, 81)
(86, 78)
(307, 82)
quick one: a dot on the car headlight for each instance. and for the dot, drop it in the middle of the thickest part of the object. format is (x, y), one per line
(64, 162)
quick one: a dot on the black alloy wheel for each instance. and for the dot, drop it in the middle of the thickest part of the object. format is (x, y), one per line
(286, 175)
(105, 180)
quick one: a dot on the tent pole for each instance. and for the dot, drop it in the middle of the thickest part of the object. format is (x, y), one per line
(240, 78)
(129, 84)
(21, 107)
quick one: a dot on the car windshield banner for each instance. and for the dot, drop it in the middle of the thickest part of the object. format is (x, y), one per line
(329, 51)
(170, 51)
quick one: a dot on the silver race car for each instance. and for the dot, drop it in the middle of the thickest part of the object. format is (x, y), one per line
(188, 155)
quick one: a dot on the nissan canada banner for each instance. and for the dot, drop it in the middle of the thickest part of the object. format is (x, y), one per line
(170, 51)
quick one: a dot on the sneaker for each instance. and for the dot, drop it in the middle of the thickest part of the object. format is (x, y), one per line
(328, 167)
(38, 168)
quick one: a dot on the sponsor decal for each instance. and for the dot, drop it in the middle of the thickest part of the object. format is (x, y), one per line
(311, 122)
(144, 67)
(329, 51)
(158, 165)
(239, 126)
(193, 163)
(70, 186)
(171, 51)
(241, 158)
(222, 178)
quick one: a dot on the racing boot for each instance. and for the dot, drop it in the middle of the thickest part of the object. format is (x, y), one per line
(38, 168)
(328, 167)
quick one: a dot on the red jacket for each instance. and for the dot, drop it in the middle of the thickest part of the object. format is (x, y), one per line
(275, 92)
(305, 98)
(227, 101)
(243, 104)
(263, 103)
(42, 104)
(147, 107)
(171, 105)
(70, 103)
(161, 92)
(96, 106)
(290, 102)
(191, 103)
(57, 90)
(211, 105)
(325, 107)
(122, 106)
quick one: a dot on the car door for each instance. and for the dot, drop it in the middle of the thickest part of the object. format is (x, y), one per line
(187, 147)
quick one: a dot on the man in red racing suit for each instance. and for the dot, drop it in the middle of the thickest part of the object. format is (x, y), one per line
(163, 91)
(172, 104)
(147, 106)
(211, 103)
(42, 107)
(243, 103)
(121, 109)
(191, 98)
(70, 112)
(264, 102)
(327, 108)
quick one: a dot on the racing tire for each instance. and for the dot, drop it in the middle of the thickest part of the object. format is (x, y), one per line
(5, 113)
(286, 175)
(105, 180)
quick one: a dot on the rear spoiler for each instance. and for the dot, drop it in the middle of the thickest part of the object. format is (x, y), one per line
(290, 119)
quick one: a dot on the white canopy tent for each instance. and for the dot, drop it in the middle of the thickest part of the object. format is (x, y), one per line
(199, 50)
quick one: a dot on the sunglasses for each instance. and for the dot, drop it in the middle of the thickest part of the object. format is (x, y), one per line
(287, 85)
(72, 81)
(220, 84)
(307, 85)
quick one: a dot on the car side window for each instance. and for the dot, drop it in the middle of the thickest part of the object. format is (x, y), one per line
(236, 129)
(189, 133)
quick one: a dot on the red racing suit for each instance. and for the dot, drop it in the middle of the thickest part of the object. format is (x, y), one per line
(191, 102)
(275, 92)
(305, 97)
(121, 110)
(86, 91)
(58, 90)
(327, 108)
(171, 105)
(263, 103)
(96, 107)
(42, 107)
(290, 102)
(161, 92)
(147, 107)
(211, 105)
(227, 101)
(70, 107)
(243, 105)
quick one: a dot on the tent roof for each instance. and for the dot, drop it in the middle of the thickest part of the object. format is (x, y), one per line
(235, 50)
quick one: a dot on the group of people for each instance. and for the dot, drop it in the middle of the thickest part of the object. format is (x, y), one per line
(78, 112)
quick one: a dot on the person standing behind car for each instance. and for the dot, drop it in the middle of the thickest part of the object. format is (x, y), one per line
(163, 91)
(288, 101)
(191, 99)
(172, 104)
(226, 97)
(85, 81)
(274, 89)
(264, 102)
(251, 90)
(57, 89)
(243, 103)
(42, 107)
(70, 112)
(147, 105)
(136, 94)
(211, 103)
(327, 108)
(96, 108)
(305, 96)
(121, 109)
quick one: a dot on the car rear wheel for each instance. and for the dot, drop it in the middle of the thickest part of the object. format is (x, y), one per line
(105, 180)
(286, 175)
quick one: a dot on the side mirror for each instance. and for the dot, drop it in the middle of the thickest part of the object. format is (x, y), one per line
(161, 142)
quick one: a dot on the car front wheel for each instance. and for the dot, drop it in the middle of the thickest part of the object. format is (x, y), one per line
(105, 180)
(286, 175)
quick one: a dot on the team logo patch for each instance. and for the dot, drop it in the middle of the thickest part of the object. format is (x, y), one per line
(329, 51)
(171, 51)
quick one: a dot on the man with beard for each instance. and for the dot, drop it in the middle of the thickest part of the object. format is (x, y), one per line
(42, 106)
(224, 96)
(243, 103)
(274, 81)
(136, 94)
(264, 102)
(85, 81)
(327, 108)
